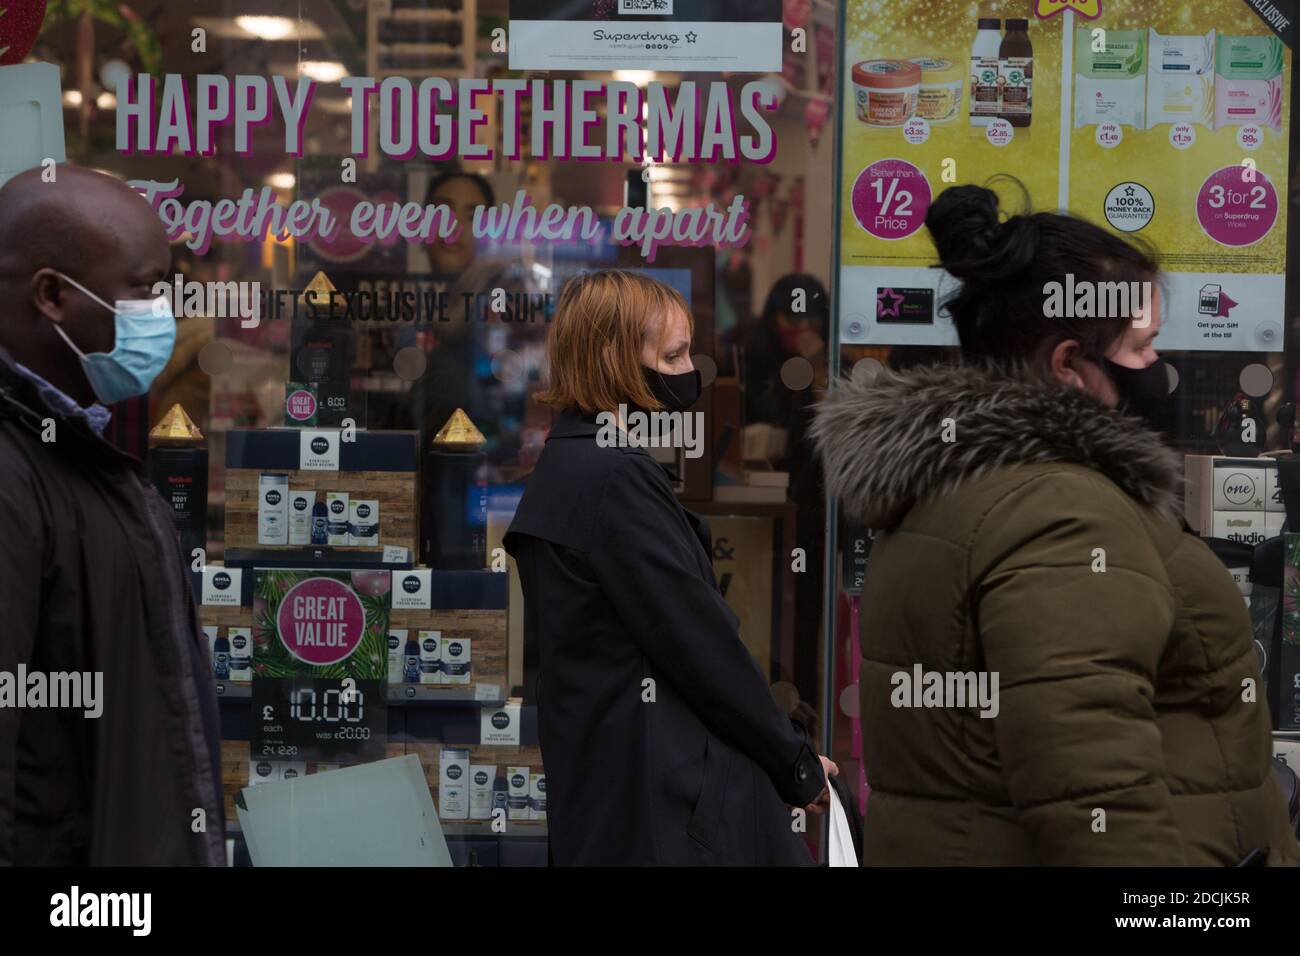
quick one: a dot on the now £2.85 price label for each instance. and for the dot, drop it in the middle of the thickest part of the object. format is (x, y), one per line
(890, 199)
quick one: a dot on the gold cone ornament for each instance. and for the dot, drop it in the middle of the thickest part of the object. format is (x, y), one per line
(175, 430)
(318, 291)
(458, 434)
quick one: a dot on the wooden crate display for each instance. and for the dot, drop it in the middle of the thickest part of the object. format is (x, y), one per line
(395, 492)
(502, 757)
(486, 630)
(235, 768)
(378, 466)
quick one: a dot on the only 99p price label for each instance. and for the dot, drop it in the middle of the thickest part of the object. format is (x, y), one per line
(891, 198)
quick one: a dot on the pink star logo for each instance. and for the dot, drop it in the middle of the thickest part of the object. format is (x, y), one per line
(894, 300)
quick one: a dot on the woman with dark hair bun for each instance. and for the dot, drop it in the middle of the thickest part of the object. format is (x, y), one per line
(1054, 670)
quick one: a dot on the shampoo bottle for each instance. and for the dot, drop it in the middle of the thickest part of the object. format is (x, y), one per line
(985, 99)
(1016, 73)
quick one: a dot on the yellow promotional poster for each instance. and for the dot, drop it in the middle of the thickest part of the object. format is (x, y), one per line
(1164, 122)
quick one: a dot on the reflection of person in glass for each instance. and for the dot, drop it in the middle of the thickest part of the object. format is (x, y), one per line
(661, 740)
(462, 192)
(794, 325)
(459, 372)
(1053, 668)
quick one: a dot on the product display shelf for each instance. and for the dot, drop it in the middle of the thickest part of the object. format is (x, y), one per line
(475, 829)
(409, 695)
(471, 842)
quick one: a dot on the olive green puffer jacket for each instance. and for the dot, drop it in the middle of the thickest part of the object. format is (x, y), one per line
(1032, 535)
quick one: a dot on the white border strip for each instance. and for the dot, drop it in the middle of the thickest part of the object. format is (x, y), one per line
(1067, 114)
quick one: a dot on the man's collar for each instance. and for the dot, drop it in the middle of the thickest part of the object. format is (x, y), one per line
(96, 416)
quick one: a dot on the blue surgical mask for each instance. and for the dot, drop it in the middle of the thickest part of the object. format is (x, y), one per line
(145, 332)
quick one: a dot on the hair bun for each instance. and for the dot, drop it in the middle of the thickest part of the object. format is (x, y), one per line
(963, 222)
(972, 243)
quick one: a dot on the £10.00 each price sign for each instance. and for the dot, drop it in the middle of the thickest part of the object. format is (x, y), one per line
(320, 665)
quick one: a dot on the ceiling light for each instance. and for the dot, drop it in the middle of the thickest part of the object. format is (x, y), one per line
(106, 101)
(265, 28)
(72, 98)
(639, 77)
(324, 71)
(244, 27)
(281, 180)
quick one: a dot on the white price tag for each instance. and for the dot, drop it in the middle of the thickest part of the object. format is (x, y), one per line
(395, 555)
(222, 586)
(411, 589)
(318, 449)
(500, 728)
(487, 692)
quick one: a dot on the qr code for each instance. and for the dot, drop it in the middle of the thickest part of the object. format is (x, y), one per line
(664, 7)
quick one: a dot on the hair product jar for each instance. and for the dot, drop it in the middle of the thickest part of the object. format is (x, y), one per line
(939, 97)
(886, 91)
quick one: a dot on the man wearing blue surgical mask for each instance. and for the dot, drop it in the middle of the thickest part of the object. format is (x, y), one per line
(92, 581)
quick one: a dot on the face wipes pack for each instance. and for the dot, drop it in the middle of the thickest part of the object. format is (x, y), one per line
(1248, 81)
(1180, 79)
(1110, 84)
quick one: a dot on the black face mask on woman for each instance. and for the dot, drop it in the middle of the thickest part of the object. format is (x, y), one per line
(1143, 392)
(675, 392)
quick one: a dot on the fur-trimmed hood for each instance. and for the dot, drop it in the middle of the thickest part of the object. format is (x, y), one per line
(881, 438)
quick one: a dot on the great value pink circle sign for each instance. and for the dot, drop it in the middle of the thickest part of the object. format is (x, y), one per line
(1236, 206)
(301, 405)
(321, 621)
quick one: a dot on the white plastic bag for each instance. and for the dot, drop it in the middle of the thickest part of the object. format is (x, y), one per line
(841, 836)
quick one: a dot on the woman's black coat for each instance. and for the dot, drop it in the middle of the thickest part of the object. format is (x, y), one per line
(661, 741)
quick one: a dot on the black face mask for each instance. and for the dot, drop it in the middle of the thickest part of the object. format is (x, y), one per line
(675, 392)
(1142, 391)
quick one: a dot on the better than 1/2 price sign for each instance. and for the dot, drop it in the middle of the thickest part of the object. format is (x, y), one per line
(891, 198)
(320, 665)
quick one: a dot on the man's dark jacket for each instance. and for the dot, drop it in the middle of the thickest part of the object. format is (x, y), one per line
(661, 741)
(92, 579)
